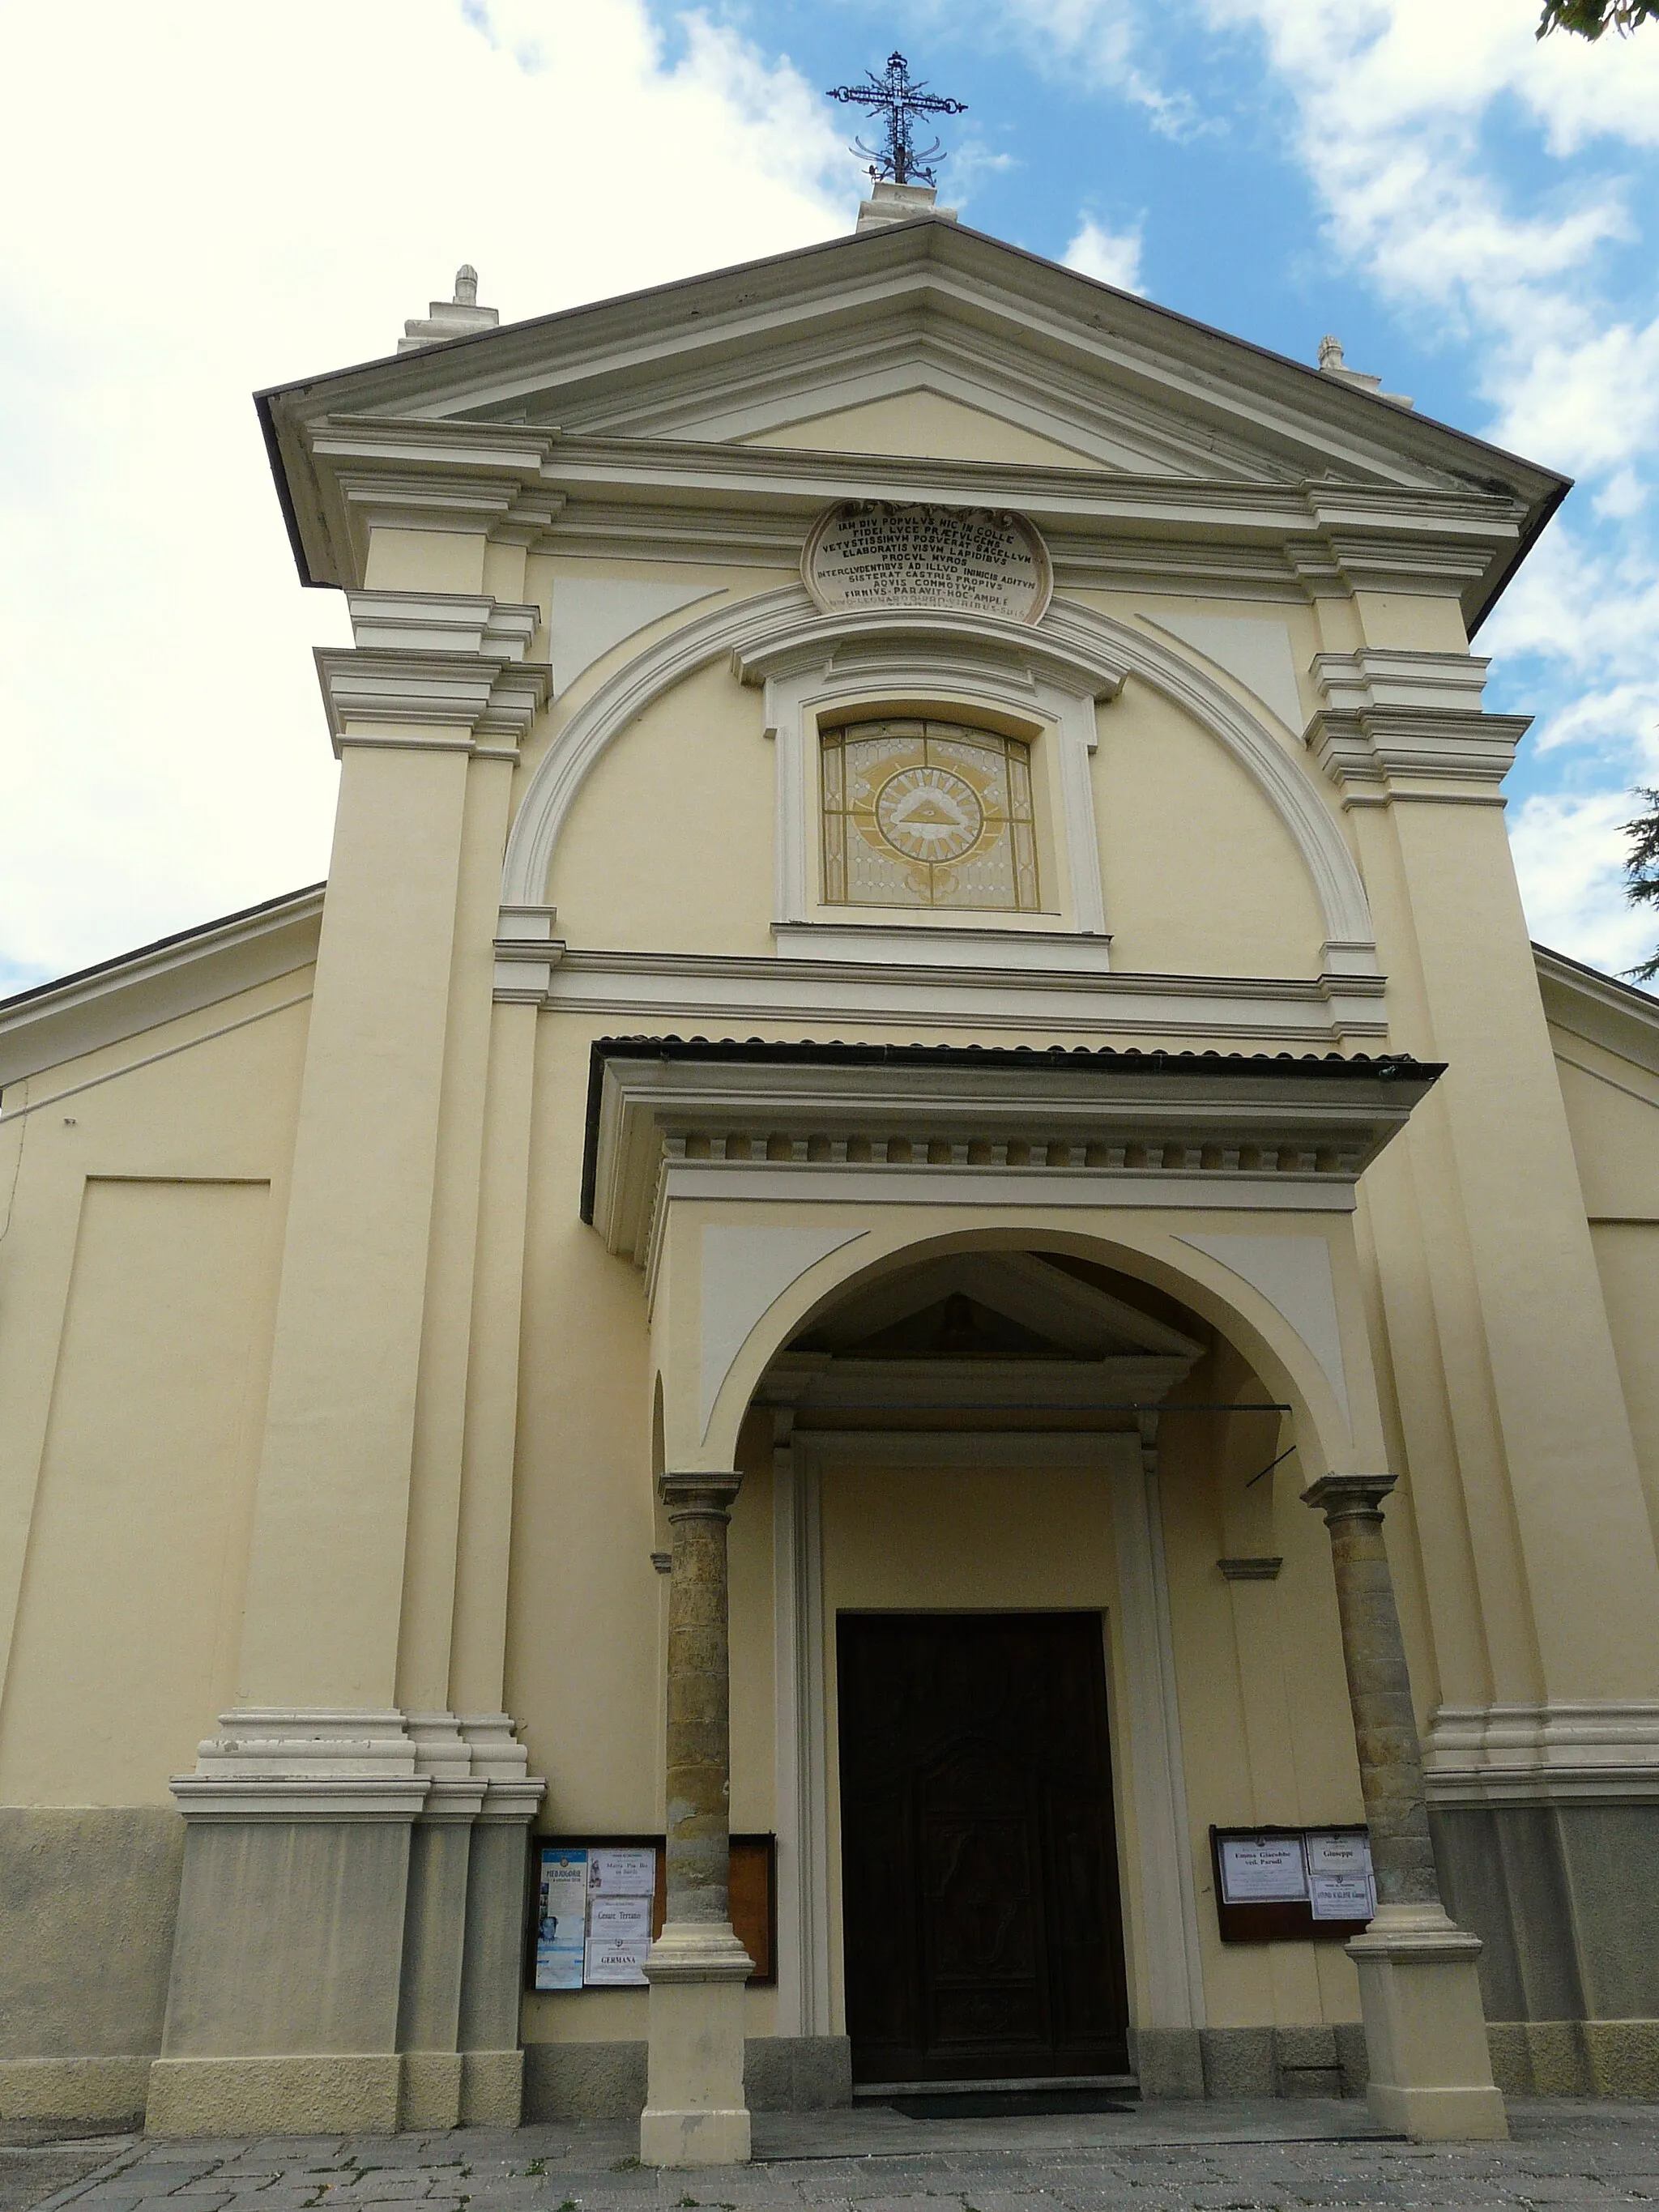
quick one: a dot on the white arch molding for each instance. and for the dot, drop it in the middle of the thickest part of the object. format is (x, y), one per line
(1075, 651)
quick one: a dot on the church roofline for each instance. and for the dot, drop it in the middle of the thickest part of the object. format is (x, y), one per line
(370, 384)
(1604, 1010)
(69, 1015)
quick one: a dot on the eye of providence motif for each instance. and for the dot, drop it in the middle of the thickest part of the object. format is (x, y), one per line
(923, 813)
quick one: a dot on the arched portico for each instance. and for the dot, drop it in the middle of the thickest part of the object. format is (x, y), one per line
(762, 1188)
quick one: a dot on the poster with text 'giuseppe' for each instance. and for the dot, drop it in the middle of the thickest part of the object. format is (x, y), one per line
(561, 1919)
(1340, 1884)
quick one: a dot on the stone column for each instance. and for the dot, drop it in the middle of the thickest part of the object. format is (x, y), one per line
(1425, 2032)
(695, 2113)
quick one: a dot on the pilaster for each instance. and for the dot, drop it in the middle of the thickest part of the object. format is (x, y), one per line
(1556, 1521)
(328, 1827)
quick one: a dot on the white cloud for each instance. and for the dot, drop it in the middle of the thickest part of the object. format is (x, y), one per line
(1570, 853)
(232, 208)
(1112, 257)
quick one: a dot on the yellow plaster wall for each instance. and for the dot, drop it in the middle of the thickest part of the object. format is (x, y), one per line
(669, 844)
(1199, 876)
(923, 422)
(125, 1646)
(1613, 1113)
(141, 1254)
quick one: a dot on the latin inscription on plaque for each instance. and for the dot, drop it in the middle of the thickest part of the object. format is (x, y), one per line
(867, 554)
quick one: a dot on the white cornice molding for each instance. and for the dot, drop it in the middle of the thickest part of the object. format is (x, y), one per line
(454, 622)
(1582, 1751)
(158, 984)
(1031, 652)
(655, 991)
(1397, 719)
(314, 1764)
(949, 1131)
(1095, 647)
(556, 493)
(1384, 676)
(872, 948)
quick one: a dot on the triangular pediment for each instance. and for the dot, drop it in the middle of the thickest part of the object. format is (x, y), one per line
(925, 341)
(922, 419)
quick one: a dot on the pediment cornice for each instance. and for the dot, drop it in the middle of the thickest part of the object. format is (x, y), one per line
(556, 493)
(1134, 378)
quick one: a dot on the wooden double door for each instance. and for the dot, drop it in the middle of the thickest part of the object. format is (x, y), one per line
(983, 1925)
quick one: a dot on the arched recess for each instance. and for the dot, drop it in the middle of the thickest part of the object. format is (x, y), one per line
(1335, 1420)
(1090, 653)
(1162, 1926)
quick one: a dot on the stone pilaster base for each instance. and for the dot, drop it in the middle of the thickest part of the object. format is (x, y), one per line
(1425, 2034)
(429, 2096)
(331, 2093)
(695, 2113)
(492, 2088)
(1577, 2058)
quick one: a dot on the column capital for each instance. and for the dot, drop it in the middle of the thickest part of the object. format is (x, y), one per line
(1340, 1496)
(692, 1496)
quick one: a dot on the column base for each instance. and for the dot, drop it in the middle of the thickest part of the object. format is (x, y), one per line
(1425, 2034)
(695, 2113)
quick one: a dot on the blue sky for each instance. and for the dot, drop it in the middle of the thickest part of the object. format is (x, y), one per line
(1476, 214)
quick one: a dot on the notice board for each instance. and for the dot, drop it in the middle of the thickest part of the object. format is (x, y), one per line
(1276, 1885)
(598, 1901)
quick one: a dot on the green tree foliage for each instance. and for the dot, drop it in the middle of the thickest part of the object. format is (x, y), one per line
(1642, 866)
(1590, 18)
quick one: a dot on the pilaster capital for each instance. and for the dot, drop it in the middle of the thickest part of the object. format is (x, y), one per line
(450, 666)
(1394, 719)
(1349, 1497)
(703, 1496)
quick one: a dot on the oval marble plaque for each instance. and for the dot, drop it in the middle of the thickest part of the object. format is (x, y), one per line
(973, 560)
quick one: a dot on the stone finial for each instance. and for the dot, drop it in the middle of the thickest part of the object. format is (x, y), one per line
(1332, 363)
(458, 318)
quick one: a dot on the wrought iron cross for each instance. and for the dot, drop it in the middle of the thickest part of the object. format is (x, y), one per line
(898, 102)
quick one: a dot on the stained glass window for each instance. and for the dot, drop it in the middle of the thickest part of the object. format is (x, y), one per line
(923, 813)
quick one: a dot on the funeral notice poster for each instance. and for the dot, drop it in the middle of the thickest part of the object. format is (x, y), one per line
(1263, 1869)
(561, 1917)
(622, 1879)
(1340, 1884)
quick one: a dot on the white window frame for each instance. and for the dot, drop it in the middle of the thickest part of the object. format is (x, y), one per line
(810, 685)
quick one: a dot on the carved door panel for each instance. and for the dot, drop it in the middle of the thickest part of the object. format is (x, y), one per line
(982, 1930)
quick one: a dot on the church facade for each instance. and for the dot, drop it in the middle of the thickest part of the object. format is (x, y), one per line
(906, 1345)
